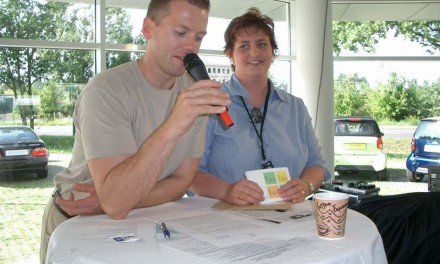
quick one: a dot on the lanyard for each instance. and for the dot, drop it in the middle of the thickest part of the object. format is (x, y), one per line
(260, 134)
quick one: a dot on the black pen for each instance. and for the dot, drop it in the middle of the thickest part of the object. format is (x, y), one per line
(165, 231)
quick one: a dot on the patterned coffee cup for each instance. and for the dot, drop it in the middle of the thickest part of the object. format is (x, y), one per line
(330, 214)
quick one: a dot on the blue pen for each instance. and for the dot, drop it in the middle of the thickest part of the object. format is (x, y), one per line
(165, 231)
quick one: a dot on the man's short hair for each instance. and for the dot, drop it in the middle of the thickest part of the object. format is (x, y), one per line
(160, 8)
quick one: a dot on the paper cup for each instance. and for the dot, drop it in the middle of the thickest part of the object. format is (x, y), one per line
(330, 214)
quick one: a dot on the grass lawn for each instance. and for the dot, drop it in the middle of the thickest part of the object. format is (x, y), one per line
(23, 199)
(22, 203)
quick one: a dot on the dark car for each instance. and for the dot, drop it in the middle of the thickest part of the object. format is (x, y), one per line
(22, 151)
(358, 146)
(425, 149)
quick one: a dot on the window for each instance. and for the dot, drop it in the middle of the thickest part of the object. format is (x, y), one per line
(63, 57)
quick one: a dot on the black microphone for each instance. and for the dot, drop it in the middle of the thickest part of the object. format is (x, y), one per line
(197, 70)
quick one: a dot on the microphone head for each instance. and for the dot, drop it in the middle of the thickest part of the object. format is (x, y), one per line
(195, 67)
(191, 59)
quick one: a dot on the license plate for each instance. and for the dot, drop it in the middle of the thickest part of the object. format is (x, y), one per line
(355, 146)
(432, 148)
(16, 152)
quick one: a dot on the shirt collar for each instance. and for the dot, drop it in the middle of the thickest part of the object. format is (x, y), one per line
(235, 89)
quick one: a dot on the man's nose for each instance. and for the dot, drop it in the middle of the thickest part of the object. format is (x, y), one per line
(191, 45)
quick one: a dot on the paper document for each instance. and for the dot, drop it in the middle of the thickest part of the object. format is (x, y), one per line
(222, 205)
(220, 228)
(105, 236)
(296, 215)
(229, 238)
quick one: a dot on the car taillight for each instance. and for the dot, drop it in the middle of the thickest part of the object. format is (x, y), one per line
(413, 144)
(39, 152)
(379, 143)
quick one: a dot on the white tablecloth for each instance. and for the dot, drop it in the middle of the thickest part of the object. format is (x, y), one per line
(88, 239)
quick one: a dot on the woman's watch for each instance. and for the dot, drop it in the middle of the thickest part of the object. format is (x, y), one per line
(311, 187)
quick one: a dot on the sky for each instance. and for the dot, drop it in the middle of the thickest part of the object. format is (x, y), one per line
(379, 71)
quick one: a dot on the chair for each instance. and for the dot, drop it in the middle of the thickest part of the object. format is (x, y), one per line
(365, 129)
(341, 129)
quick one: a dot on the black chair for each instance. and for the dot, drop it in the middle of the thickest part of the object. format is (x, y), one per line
(365, 129)
(409, 225)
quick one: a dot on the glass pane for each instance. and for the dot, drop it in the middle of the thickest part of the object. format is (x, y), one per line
(124, 25)
(280, 75)
(222, 13)
(379, 71)
(43, 84)
(218, 67)
(47, 20)
(115, 58)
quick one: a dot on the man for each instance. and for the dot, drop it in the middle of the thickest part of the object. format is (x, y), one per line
(139, 126)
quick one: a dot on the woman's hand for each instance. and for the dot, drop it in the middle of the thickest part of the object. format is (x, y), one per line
(295, 191)
(244, 192)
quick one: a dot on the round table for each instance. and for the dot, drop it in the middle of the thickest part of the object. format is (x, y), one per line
(201, 233)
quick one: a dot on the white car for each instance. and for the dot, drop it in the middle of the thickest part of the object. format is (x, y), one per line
(358, 146)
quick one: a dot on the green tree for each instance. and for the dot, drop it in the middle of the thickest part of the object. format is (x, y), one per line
(21, 68)
(350, 93)
(426, 33)
(399, 98)
(75, 66)
(6, 104)
(51, 98)
(350, 35)
(119, 30)
(395, 100)
(428, 97)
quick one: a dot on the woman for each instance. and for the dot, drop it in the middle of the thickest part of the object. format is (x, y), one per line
(272, 127)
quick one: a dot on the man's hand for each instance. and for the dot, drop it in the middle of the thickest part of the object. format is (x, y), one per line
(86, 206)
(244, 192)
(201, 98)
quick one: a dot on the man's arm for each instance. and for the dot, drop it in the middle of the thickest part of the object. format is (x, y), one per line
(178, 182)
(125, 182)
(175, 186)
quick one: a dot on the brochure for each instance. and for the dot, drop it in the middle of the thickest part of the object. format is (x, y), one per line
(269, 180)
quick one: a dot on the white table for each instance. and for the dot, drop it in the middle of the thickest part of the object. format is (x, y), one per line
(220, 237)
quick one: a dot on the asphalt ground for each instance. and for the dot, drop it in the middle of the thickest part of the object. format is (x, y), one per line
(396, 183)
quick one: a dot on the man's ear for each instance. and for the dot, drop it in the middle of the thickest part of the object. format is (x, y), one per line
(147, 27)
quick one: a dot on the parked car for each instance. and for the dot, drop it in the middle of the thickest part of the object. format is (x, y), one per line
(358, 146)
(425, 149)
(22, 151)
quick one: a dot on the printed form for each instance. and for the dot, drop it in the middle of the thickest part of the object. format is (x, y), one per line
(229, 237)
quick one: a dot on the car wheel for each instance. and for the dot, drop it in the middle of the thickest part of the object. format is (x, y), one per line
(382, 175)
(414, 176)
(43, 174)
